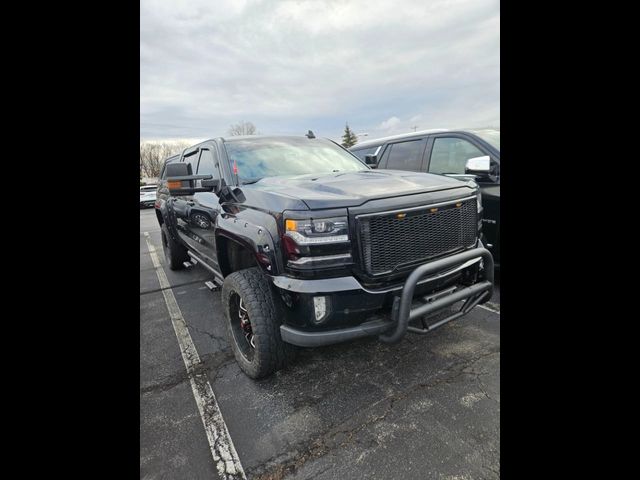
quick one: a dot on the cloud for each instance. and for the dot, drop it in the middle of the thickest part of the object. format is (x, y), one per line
(290, 66)
(389, 124)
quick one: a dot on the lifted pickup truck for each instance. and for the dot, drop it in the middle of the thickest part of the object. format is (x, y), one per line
(312, 247)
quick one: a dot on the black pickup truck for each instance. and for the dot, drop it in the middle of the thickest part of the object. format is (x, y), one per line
(312, 247)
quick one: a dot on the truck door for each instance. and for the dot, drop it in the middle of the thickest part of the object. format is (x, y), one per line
(183, 203)
(204, 209)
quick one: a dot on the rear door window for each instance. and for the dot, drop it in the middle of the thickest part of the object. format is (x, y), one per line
(405, 155)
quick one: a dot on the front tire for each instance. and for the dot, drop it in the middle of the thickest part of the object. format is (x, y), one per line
(253, 325)
(174, 253)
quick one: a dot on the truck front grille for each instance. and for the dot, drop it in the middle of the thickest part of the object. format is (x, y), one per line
(390, 241)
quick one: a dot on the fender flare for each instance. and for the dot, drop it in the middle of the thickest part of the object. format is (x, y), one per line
(255, 238)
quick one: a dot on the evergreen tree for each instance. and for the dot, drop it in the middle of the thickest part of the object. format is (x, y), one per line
(349, 139)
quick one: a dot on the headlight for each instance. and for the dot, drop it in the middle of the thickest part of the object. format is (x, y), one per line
(316, 243)
(317, 231)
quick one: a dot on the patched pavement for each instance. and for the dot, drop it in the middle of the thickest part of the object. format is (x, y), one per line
(428, 407)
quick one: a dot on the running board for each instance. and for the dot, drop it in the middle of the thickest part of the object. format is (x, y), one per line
(217, 278)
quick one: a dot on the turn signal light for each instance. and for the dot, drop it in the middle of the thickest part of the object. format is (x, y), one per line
(290, 225)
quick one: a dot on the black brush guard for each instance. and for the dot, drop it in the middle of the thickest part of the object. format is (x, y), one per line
(403, 311)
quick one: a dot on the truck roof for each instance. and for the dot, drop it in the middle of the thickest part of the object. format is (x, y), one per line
(247, 137)
(381, 140)
(376, 141)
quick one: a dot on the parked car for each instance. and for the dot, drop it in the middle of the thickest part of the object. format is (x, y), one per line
(312, 247)
(446, 152)
(148, 196)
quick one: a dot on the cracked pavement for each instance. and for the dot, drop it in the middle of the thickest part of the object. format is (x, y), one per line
(426, 408)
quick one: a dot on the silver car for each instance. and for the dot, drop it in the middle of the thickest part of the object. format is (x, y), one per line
(148, 196)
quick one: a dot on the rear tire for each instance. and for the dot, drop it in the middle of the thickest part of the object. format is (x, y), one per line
(174, 253)
(257, 346)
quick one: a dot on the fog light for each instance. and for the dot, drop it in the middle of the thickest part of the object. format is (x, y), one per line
(320, 308)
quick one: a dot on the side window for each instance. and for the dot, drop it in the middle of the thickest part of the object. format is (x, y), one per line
(383, 156)
(207, 164)
(450, 155)
(405, 155)
(193, 161)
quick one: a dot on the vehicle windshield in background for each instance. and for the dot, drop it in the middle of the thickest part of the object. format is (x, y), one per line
(363, 152)
(257, 158)
(492, 137)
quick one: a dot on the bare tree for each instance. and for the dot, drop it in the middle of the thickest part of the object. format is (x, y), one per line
(153, 155)
(242, 128)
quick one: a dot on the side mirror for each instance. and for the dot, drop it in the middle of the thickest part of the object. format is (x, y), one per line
(180, 180)
(184, 185)
(478, 165)
(371, 160)
(211, 185)
(229, 193)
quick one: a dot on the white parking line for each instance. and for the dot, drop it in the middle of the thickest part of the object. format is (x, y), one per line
(224, 453)
(489, 308)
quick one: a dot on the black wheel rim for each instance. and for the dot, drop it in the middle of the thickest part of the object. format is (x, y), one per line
(241, 327)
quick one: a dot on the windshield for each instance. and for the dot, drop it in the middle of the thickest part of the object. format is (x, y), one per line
(492, 137)
(257, 158)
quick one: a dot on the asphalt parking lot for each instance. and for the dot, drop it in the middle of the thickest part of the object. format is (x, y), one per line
(426, 408)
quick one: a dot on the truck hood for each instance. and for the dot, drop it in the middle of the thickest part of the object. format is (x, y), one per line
(351, 189)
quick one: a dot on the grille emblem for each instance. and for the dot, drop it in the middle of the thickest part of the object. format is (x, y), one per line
(400, 216)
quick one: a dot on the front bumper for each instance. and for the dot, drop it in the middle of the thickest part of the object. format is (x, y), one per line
(355, 312)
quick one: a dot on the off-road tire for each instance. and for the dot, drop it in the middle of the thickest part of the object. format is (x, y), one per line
(174, 253)
(270, 353)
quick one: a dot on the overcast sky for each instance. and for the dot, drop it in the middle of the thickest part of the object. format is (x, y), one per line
(290, 66)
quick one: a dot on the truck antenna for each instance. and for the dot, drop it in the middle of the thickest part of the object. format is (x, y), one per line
(310, 134)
